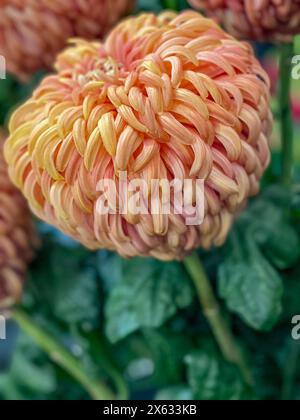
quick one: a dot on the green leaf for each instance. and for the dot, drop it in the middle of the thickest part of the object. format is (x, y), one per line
(149, 5)
(65, 284)
(167, 350)
(211, 378)
(78, 300)
(157, 5)
(110, 269)
(270, 227)
(175, 393)
(29, 377)
(291, 299)
(251, 287)
(148, 293)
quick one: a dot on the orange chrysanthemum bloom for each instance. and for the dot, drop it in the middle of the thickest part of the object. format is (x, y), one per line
(165, 97)
(256, 19)
(32, 32)
(17, 238)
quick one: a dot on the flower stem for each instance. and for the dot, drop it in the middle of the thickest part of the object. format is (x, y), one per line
(100, 352)
(285, 109)
(62, 357)
(170, 4)
(222, 333)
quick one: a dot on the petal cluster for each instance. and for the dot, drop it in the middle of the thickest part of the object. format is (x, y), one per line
(256, 19)
(32, 32)
(165, 97)
(17, 238)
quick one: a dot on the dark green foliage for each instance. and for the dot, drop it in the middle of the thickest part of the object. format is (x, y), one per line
(210, 378)
(146, 294)
(13, 93)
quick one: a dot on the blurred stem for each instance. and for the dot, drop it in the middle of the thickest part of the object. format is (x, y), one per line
(62, 357)
(211, 309)
(169, 4)
(285, 109)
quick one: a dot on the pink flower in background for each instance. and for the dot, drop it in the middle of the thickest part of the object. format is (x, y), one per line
(17, 238)
(255, 19)
(32, 32)
(165, 97)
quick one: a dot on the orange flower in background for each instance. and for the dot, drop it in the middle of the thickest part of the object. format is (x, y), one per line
(165, 97)
(256, 19)
(17, 238)
(32, 32)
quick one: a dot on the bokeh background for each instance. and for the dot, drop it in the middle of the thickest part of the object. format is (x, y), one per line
(140, 320)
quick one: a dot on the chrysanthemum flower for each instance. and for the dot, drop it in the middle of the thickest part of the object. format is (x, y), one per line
(165, 97)
(32, 32)
(17, 238)
(256, 19)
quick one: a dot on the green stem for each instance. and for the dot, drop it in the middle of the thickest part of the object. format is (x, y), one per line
(101, 354)
(169, 4)
(62, 357)
(285, 110)
(222, 333)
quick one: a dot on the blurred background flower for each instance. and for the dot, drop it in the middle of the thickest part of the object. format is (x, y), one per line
(32, 32)
(255, 19)
(17, 238)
